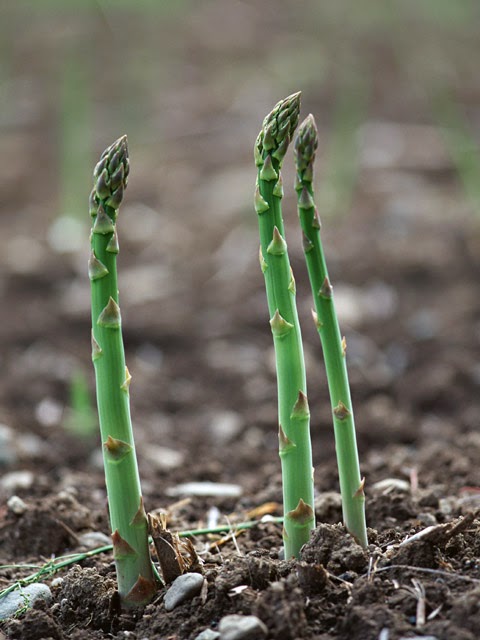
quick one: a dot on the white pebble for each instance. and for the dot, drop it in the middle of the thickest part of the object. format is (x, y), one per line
(208, 634)
(16, 505)
(15, 480)
(217, 489)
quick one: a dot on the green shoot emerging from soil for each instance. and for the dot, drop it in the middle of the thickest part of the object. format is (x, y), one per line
(293, 412)
(136, 583)
(334, 347)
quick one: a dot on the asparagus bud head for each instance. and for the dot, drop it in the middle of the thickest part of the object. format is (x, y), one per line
(278, 129)
(111, 175)
(306, 143)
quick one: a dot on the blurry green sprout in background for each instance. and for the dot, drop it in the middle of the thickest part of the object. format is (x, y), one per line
(81, 414)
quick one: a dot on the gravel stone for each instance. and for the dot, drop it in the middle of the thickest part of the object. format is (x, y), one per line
(419, 638)
(236, 627)
(208, 634)
(93, 539)
(23, 597)
(15, 480)
(214, 489)
(16, 505)
(183, 588)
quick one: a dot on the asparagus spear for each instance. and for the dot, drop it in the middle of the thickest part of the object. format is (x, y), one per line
(294, 417)
(136, 583)
(334, 347)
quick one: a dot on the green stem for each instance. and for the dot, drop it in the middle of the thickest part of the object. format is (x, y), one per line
(294, 417)
(136, 582)
(334, 347)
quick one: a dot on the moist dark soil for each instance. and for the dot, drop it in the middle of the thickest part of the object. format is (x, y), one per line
(418, 444)
(404, 263)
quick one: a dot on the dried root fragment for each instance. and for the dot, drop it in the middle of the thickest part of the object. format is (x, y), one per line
(176, 556)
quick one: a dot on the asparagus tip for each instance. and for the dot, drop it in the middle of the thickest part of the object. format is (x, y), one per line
(306, 142)
(278, 128)
(111, 173)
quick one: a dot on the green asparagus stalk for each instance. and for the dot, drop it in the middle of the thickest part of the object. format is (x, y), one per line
(136, 583)
(294, 416)
(334, 347)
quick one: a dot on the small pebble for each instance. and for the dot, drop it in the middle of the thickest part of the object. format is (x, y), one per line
(208, 634)
(15, 480)
(30, 446)
(419, 638)
(427, 519)
(387, 485)
(23, 597)
(236, 627)
(49, 412)
(218, 489)
(183, 588)
(224, 426)
(163, 458)
(57, 582)
(16, 505)
(93, 539)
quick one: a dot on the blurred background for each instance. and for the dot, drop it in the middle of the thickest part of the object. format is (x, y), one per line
(395, 90)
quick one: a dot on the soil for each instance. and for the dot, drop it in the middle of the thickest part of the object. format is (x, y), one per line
(405, 268)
